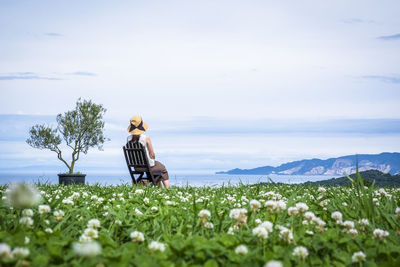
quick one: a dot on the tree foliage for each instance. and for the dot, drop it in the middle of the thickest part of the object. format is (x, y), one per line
(81, 129)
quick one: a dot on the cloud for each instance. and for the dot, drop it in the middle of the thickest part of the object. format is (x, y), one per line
(389, 37)
(26, 77)
(83, 73)
(53, 34)
(357, 20)
(382, 78)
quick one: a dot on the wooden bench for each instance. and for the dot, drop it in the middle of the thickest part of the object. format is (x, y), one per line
(138, 164)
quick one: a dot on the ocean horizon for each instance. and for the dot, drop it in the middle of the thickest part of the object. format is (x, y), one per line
(176, 179)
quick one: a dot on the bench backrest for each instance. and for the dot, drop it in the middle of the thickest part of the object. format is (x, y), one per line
(135, 156)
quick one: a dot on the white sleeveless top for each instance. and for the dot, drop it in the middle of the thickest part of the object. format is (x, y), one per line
(142, 140)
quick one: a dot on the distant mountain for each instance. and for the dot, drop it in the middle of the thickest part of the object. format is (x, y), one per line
(384, 162)
(380, 178)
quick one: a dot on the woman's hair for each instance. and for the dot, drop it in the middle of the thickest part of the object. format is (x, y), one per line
(135, 138)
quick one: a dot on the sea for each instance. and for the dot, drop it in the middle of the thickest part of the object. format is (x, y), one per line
(182, 180)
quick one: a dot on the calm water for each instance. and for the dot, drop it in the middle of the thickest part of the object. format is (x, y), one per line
(177, 180)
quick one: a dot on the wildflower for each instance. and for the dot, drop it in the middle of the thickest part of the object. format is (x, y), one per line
(300, 252)
(93, 223)
(156, 246)
(321, 190)
(49, 230)
(358, 257)
(255, 205)
(138, 212)
(22, 196)
(380, 234)
(27, 213)
(27, 240)
(292, 211)
(208, 225)
(85, 239)
(139, 191)
(59, 214)
(363, 222)
(309, 215)
(270, 205)
(20, 253)
(348, 224)
(309, 232)
(146, 201)
(267, 226)
(154, 208)
(44, 209)
(27, 221)
(337, 215)
(5, 251)
(68, 201)
(204, 214)
(273, 264)
(92, 233)
(89, 249)
(137, 236)
(301, 207)
(239, 215)
(397, 211)
(241, 250)
(257, 221)
(105, 214)
(353, 232)
(118, 222)
(260, 232)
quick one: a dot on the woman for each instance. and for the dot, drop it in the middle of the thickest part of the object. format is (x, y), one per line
(137, 129)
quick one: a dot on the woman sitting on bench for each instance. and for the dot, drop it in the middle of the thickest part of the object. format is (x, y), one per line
(137, 129)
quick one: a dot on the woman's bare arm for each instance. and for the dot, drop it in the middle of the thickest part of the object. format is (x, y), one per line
(150, 147)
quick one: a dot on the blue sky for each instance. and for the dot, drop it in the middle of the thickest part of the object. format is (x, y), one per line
(298, 78)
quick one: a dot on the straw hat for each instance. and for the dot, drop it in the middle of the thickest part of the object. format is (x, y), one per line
(137, 126)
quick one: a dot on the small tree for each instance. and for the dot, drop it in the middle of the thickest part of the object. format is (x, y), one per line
(81, 129)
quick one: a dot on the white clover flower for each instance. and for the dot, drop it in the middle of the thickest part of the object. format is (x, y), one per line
(267, 225)
(353, 232)
(204, 214)
(139, 191)
(301, 207)
(273, 264)
(309, 232)
(27, 213)
(260, 232)
(146, 200)
(156, 246)
(363, 222)
(300, 252)
(75, 195)
(27, 221)
(280, 206)
(138, 212)
(68, 201)
(270, 205)
(348, 224)
(337, 215)
(118, 222)
(292, 211)
(92, 233)
(309, 215)
(49, 230)
(5, 251)
(154, 208)
(241, 250)
(89, 249)
(208, 225)
(85, 239)
(397, 211)
(59, 214)
(44, 209)
(239, 215)
(358, 257)
(137, 236)
(257, 221)
(321, 190)
(22, 196)
(93, 223)
(380, 234)
(27, 240)
(20, 253)
(255, 205)
(105, 214)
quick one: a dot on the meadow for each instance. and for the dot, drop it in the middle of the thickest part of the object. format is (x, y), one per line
(245, 225)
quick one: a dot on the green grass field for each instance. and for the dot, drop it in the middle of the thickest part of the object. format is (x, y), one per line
(225, 226)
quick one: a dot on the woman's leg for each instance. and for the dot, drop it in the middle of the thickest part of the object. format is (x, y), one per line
(164, 173)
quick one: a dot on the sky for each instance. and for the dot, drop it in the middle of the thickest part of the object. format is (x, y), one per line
(222, 84)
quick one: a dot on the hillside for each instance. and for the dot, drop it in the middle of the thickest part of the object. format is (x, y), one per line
(384, 162)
